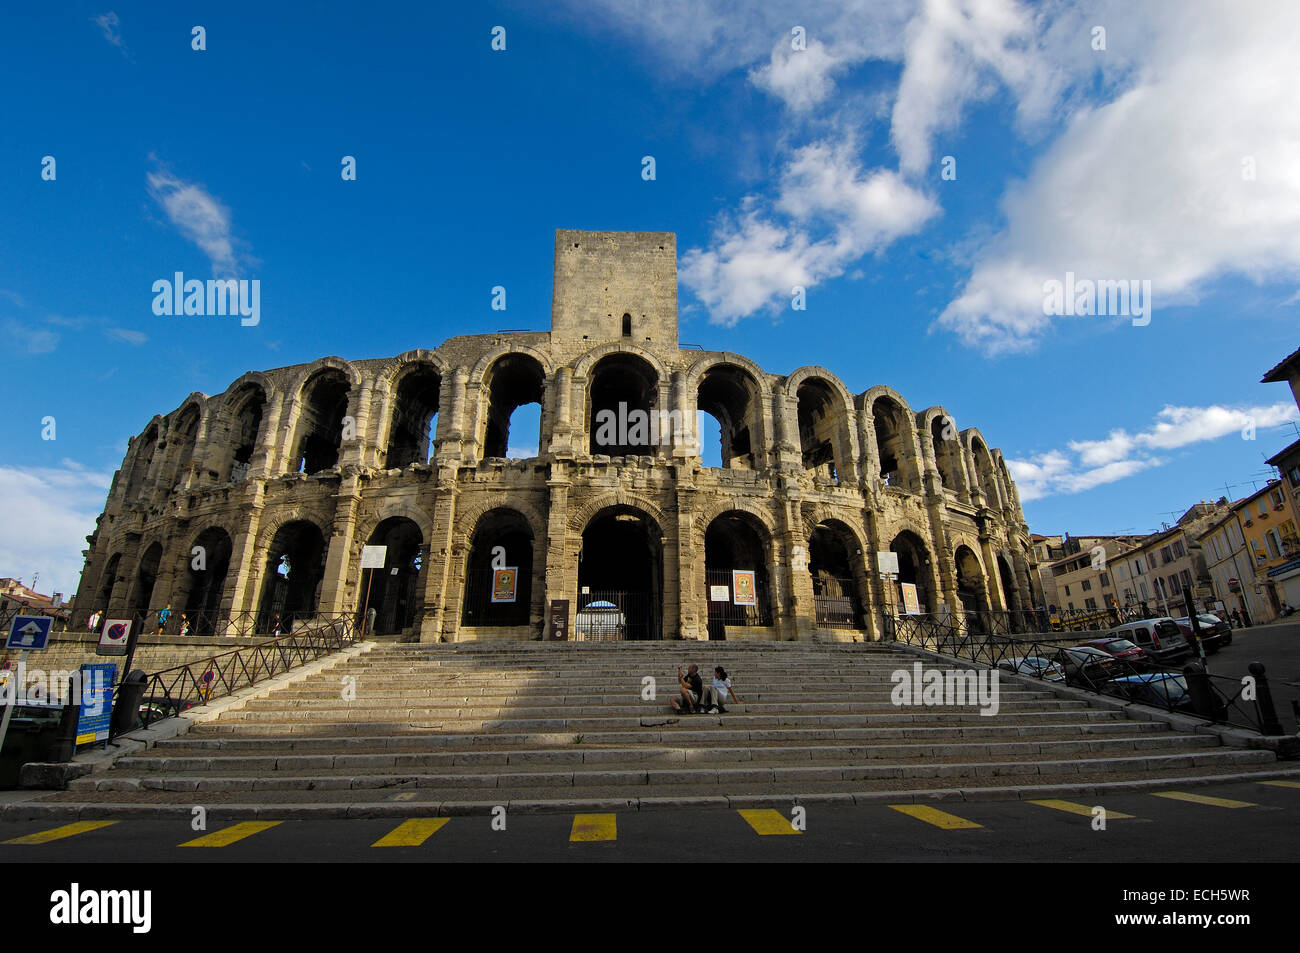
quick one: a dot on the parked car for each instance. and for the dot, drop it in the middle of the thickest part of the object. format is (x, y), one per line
(600, 621)
(1086, 667)
(1165, 690)
(1122, 649)
(1159, 637)
(1034, 665)
(1215, 633)
(157, 707)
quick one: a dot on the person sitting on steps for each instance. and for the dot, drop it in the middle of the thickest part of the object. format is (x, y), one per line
(716, 693)
(691, 686)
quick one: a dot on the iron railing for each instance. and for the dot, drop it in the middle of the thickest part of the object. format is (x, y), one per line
(187, 686)
(1189, 690)
(729, 611)
(836, 603)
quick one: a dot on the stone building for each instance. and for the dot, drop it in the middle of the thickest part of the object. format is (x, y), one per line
(256, 503)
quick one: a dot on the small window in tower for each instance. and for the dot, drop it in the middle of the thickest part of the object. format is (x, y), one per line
(627, 325)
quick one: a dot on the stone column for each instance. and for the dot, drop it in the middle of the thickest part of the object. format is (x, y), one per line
(560, 578)
(264, 460)
(353, 452)
(436, 625)
(995, 599)
(244, 574)
(338, 596)
(689, 563)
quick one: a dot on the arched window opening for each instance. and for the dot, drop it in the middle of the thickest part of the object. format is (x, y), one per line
(244, 427)
(320, 426)
(987, 476)
(623, 415)
(1009, 590)
(726, 394)
(892, 445)
(818, 423)
(144, 454)
(627, 325)
(410, 434)
(515, 381)
(107, 580)
(834, 559)
(499, 573)
(295, 566)
(185, 433)
(736, 566)
(970, 588)
(146, 576)
(943, 436)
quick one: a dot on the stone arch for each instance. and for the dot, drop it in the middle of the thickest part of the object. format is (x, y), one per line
(733, 396)
(582, 515)
(981, 467)
(293, 575)
(972, 591)
(182, 439)
(302, 373)
(202, 591)
(147, 569)
(892, 434)
(412, 391)
(107, 581)
(624, 381)
(916, 567)
(707, 513)
(237, 428)
(737, 541)
(620, 575)
(489, 357)
(825, 422)
(143, 450)
(393, 595)
(391, 509)
(836, 563)
(323, 399)
(589, 359)
(939, 429)
(513, 531)
(514, 378)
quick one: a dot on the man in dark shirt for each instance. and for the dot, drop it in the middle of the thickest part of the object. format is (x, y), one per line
(691, 686)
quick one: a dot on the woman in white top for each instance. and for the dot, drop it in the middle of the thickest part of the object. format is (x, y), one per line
(718, 691)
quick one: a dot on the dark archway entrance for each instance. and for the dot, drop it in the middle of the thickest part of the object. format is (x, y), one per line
(970, 588)
(834, 559)
(414, 413)
(914, 569)
(145, 576)
(207, 585)
(394, 591)
(622, 395)
(485, 603)
(735, 546)
(1009, 591)
(295, 565)
(620, 577)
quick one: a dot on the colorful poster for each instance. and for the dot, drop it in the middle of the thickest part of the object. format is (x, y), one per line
(911, 604)
(742, 584)
(504, 584)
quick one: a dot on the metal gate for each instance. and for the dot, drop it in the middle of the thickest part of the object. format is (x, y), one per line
(613, 615)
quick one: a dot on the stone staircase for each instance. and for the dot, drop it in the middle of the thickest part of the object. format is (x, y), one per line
(463, 728)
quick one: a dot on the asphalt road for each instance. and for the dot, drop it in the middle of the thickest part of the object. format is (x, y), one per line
(1278, 647)
(1262, 826)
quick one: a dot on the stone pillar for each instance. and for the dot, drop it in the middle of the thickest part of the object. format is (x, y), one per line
(687, 443)
(995, 598)
(785, 418)
(689, 564)
(290, 411)
(244, 574)
(561, 581)
(353, 452)
(374, 443)
(264, 459)
(338, 596)
(455, 441)
(436, 625)
(801, 612)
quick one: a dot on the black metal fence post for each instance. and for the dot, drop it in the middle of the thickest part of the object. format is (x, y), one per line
(1268, 721)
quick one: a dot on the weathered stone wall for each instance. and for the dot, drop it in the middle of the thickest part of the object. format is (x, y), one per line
(805, 454)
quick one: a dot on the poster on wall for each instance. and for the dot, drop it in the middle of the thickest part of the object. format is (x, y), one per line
(742, 584)
(504, 584)
(911, 604)
(719, 594)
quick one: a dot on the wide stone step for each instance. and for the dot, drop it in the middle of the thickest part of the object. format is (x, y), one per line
(383, 760)
(621, 775)
(250, 740)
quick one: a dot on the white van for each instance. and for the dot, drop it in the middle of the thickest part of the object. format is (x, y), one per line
(1160, 638)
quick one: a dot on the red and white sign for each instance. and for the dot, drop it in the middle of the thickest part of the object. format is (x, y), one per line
(112, 641)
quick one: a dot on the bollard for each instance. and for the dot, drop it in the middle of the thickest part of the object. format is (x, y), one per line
(126, 703)
(1201, 692)
(1268, 723)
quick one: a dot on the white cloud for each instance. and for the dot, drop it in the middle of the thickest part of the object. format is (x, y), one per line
(1137, 188)
(1091, 463)
(108, 24)
(128, 335)
(756, 261)
(799, 78)
(198, 216)
(31, 339)
(45, 515)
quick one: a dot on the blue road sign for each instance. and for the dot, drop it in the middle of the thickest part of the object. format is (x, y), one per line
(96, 702)
(29, 632)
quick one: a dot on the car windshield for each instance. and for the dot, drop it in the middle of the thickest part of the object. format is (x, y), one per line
(1121, 645)
(1167, 629)
(1174, 689)
(1209, 619)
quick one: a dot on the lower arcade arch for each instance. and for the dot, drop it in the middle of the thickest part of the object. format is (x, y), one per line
(392, 596)
(295, 567)
(620, 577)
(835, 564)
(737, 579)
(499, 570)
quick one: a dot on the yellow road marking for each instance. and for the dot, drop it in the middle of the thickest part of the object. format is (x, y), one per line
(405, 796)
(768, 821)
(949, 822)
(1069, 807)
(412, 833)
(1282, 784)
(594, 827)
(1202, 799)
(58, 833)
(228, 835)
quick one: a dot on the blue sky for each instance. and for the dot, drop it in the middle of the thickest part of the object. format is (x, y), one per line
(775, 166)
